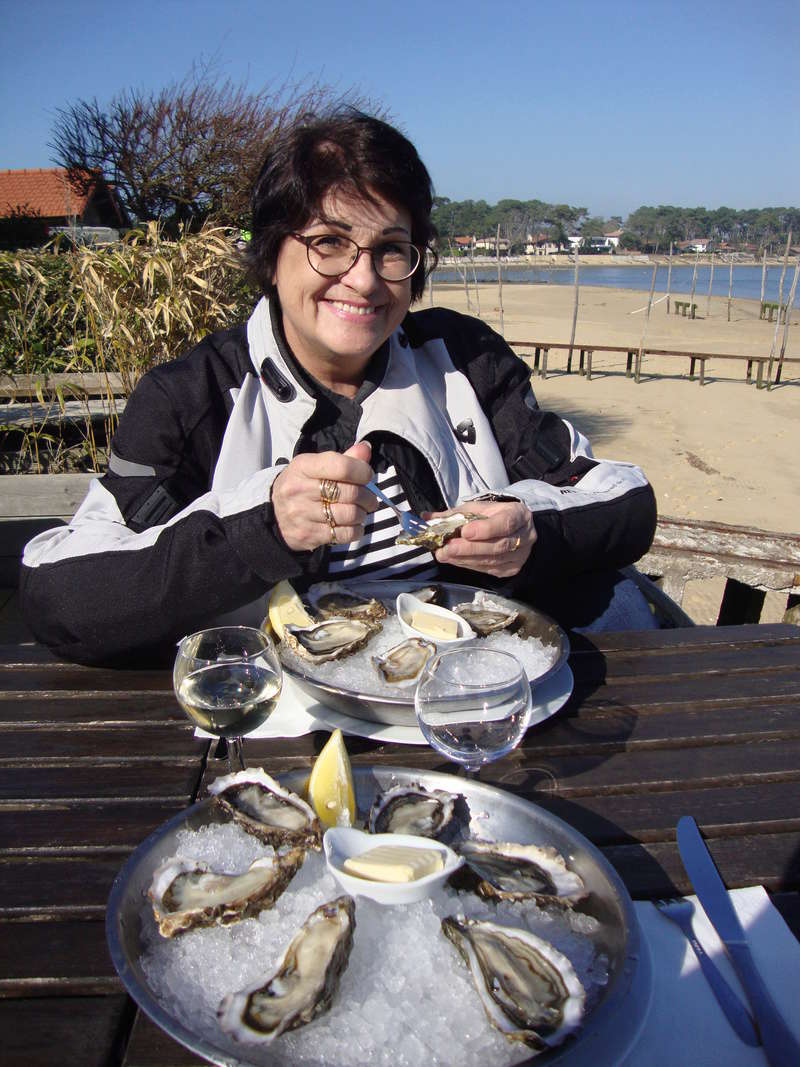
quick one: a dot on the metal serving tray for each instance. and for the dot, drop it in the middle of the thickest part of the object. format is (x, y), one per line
(399, 711)
(611, 1027)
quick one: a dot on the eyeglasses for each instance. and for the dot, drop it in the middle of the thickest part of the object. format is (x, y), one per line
(331, 254)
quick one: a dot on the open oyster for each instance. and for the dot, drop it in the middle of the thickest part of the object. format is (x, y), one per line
(518, 872)
(330, 639)
(529, 989)
(486, 615)
(262, 807)
(303, 985)
(405, 809)
(403, 664)
(332, 600)
(186, 893)
(438, 531)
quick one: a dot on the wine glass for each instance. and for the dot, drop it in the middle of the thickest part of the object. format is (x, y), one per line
(473, 704)
(228, 680)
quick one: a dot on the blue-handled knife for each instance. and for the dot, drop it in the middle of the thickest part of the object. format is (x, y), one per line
(780, 1045)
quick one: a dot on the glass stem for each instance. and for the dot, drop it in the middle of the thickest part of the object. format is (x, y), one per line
(235, 755)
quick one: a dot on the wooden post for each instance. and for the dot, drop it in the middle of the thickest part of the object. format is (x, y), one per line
(763, 275)
(774, 345)
(669, 274)
(730, 288)
(499, 276)
(462, 273)
(575, 307)
(783, 274)
(475, 281)
(694, 281)
(710, 284)
(646, 321)
(789, 305)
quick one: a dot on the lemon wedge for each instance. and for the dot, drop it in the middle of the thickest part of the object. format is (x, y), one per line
(330, 787)
(285, 606)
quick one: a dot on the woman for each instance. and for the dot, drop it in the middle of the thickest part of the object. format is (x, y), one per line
(246, 461)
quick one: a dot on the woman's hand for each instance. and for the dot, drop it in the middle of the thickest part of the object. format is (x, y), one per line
(498, 544)
(303, 518)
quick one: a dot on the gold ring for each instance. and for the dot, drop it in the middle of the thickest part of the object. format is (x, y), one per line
(328, 491)
(326, 507)
(517, 543)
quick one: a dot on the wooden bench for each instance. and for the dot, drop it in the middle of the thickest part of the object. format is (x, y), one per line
(684, 307)
(752, 561)
(633, 368)
(770, 308)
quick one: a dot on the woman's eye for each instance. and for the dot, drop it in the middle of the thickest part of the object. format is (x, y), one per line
(329, 242)
(393, 250)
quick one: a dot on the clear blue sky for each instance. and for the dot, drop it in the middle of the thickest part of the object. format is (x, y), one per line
(608, 104)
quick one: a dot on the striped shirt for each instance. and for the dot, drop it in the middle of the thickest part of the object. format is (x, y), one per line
(375, 555)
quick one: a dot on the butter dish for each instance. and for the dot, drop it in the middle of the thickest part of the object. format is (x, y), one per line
(341, 843)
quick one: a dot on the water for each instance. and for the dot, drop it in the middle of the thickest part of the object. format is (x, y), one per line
(746, 279)
(230, 699)
(471, 735)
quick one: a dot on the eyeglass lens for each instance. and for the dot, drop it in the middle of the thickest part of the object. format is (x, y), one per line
(331, 254)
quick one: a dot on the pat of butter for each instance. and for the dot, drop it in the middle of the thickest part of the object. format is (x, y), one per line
(395, 863)
(435, 625)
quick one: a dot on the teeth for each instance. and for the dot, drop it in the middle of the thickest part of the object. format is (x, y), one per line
(353, 309)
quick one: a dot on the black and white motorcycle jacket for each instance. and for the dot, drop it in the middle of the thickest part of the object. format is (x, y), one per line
(180, 532)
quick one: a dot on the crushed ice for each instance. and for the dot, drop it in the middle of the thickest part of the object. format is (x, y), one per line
(404, 994)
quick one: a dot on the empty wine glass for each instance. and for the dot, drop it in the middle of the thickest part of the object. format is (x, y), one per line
(228, 680)
(473, 704)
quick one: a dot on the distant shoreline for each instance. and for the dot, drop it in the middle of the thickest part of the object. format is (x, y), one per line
(619, 260)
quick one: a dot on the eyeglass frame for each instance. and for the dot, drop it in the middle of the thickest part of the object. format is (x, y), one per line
(307, 239)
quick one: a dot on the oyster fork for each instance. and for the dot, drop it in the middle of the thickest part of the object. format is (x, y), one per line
(680, 911)
(411, 523)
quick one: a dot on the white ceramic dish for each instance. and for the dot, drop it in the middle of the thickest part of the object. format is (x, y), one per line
(341, 842)
(407, 604)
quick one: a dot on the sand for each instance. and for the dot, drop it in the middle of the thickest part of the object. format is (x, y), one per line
(724, 452)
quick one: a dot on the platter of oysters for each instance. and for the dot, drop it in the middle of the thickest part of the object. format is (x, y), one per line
(362, 645)
(230, 933)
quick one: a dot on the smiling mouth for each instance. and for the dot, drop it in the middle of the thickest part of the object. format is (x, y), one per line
(363, 310)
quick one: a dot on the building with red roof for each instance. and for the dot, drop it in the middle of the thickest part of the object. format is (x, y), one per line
(50, 196)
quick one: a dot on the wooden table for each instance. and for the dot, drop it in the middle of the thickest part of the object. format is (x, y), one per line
(703, 721)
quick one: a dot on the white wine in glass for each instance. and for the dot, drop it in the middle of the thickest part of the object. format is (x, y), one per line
(228, 680)
(473, 704)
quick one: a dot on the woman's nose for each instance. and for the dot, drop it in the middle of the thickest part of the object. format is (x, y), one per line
(362, 273)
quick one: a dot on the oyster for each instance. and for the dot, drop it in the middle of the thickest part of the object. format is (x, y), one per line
(331, 600)
(303, 985)
(265, 809)
(485, 615)
(186, 893)
(438, 531)
(403, 664)
(411, 809)
(330, 639)
(518, 872)
(529, 990)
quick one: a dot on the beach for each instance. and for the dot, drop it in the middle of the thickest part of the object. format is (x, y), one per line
(725, 452)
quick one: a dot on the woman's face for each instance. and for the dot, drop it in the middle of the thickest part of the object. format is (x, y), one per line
(334, 325)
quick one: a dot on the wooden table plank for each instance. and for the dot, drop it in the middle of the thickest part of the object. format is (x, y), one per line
(67, 958)
(149, 1046)
(132, 741)
(63, 826)
(32, 709)
(83, 1031)
(58, 887)
(111, 780)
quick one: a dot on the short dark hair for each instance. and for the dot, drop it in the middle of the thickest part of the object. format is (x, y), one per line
(343, 149)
